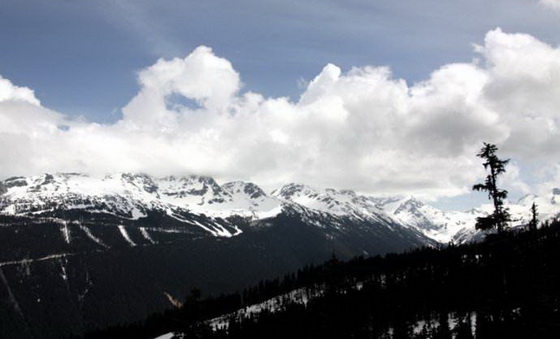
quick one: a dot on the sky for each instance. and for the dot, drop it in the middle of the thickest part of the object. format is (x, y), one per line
(378, 96)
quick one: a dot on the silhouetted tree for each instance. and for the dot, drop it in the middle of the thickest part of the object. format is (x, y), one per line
(534, 218)
(496, 166)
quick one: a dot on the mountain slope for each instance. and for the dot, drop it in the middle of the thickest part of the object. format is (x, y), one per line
(131, 197)
(80, 252)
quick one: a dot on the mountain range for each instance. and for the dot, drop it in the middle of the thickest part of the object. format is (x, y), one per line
(132, 197)
(80, 252)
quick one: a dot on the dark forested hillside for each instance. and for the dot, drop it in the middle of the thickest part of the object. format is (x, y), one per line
(505, 287)
(51, 287)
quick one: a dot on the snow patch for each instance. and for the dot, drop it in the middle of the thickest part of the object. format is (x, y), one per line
(90, 235)
(65, 231)
(146, 235)
(125, 235)
(299, 296)
(28, 261)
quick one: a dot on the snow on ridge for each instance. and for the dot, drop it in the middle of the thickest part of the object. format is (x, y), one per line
(459, 226)
(332, 201)
(439, 225)
(131, 196)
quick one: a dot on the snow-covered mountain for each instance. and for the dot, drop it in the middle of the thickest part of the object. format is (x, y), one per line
(437, 224)
(79, 250)
(131, 195)
(196, 205)
(459, 226)
(134, 196)
(548, 206)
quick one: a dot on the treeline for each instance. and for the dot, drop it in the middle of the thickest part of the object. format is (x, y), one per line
(505, 287)
(195, 309)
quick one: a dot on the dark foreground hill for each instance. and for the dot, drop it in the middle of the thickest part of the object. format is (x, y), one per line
(49, 288)
(504, 287)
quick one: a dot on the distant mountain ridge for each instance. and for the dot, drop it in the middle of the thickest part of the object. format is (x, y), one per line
(132, 196)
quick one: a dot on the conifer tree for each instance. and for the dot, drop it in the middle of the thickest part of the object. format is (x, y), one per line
(500, 217)
(534, 218)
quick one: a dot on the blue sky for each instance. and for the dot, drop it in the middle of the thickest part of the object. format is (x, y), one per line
(383, 97)
(81, 57)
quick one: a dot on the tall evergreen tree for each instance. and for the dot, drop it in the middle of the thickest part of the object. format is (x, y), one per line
(500, 217)
(534, 218)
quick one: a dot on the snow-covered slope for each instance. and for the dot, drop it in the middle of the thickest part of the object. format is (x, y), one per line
(134, 196)
(202, 195)
(129, 195)
(459, 226)
(336, 202)
(439, 225)
(548, 206)
(411, 213)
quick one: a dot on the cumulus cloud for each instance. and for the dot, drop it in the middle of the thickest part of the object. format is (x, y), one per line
(10, 92)
(208, 81)
(360, 129)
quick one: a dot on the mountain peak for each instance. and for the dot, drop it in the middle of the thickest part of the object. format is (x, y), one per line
(142, 181)
(134, 195)
(348, 192)
(202, 186)
(293, 190)
(248, 188)
(410, 205)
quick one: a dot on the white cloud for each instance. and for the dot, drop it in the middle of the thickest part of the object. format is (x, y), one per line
(361, 129)
(10, 92)
(209, 81)
(554, 4)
